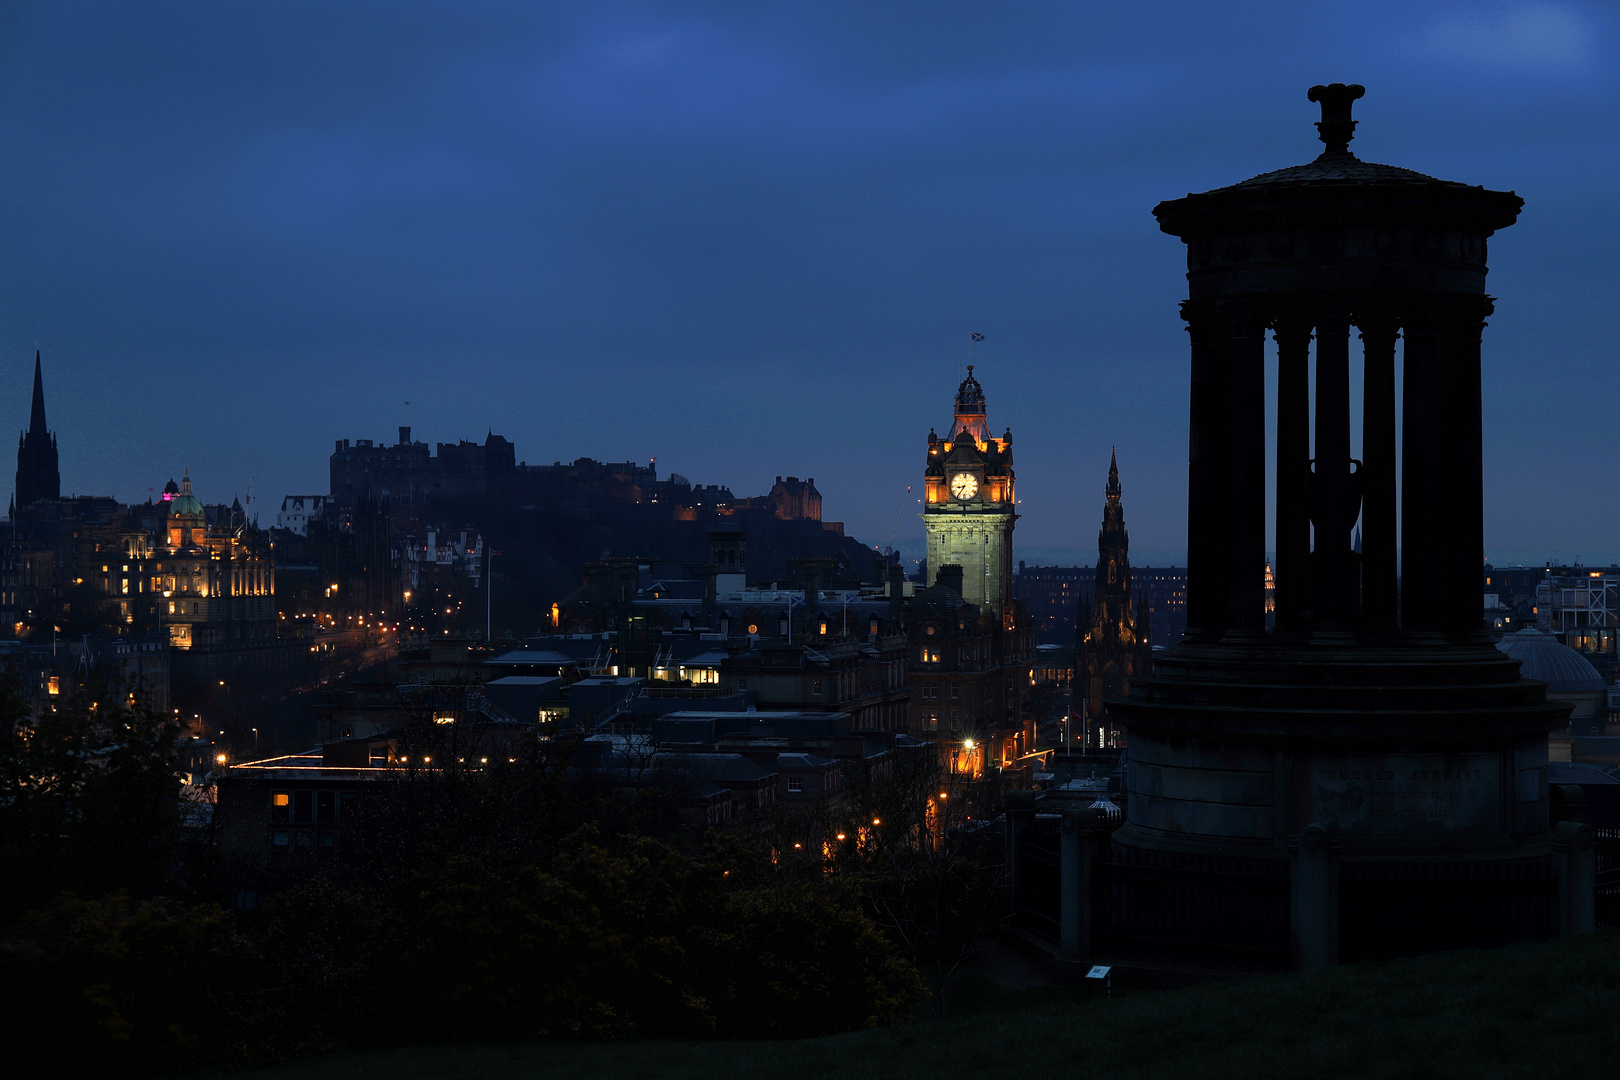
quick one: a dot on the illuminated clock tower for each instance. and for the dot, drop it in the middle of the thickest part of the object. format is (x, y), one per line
(968, 504)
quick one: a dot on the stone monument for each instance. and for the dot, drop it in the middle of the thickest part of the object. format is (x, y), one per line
(1369, 776)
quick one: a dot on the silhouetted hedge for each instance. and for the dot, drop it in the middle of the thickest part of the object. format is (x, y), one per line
(613, 940)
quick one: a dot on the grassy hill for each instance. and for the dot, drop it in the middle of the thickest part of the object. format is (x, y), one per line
(1545, 1011)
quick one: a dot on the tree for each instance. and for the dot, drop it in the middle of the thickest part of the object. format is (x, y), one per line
(922, 845)
(90, 795)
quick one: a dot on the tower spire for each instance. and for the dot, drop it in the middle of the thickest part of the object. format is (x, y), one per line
(36, 415)
(37, 475)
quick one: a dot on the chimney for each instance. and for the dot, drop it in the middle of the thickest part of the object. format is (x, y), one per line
(404, 435)
(950, 576)
(897, 586)
(812, 587)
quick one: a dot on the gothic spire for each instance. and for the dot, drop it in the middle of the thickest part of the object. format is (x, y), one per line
(37, 475)
(1113, 489)
(36, 415)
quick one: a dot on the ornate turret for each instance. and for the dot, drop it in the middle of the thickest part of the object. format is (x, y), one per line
(970, 410)
(37, 475)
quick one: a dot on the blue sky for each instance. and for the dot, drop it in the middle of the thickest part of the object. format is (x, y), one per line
(750, 238)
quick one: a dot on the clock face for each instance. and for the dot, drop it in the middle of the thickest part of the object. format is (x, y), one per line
(964, 485)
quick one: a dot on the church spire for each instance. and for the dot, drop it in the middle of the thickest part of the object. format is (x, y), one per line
(36, 415)
(37, 475)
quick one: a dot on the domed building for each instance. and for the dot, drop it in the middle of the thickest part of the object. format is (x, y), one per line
(1570, 678)
(187, 521)
(216, 582)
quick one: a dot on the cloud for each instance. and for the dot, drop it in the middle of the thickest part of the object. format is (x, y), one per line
(1536, 38)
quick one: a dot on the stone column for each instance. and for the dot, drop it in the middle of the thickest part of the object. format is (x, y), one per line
(1462, 547)
(1246, 474)
(1335, 498)
(1313, 896)
(1292, 570)
(1420, 472)
(1206, 473)
(1020, 807)
(1574, 850)
(1080, 839)
(1378, 530)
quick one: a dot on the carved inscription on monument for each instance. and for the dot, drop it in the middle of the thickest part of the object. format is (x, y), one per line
(1410, 793)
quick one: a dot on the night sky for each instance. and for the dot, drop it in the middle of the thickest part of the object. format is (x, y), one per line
(751, 239)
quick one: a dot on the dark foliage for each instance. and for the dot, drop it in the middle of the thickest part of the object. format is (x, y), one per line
(116, 987)
(90, 797)
(477, 899)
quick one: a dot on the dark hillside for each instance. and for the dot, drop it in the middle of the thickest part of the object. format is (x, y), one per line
(1545, 1010)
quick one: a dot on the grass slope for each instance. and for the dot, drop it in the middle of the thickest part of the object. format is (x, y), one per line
(1545, 1010)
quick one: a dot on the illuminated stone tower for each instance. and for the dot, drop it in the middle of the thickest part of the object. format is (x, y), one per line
(968, 506)
(37, 475)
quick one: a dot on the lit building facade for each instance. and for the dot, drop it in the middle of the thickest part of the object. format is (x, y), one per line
(971, 644)
(216, 585)
(969, 505)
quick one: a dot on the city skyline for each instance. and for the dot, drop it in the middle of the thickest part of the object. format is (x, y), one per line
(746, 242)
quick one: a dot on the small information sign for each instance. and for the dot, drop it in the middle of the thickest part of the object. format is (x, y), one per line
(1099, 972)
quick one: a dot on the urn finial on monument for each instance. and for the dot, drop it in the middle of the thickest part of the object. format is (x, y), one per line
(1336, 129)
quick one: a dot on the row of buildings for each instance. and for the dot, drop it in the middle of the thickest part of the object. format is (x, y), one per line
(829, 665)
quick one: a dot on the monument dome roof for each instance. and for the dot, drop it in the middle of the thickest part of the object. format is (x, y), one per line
(1341, 166)
(1541, 656)
(1355, 191)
